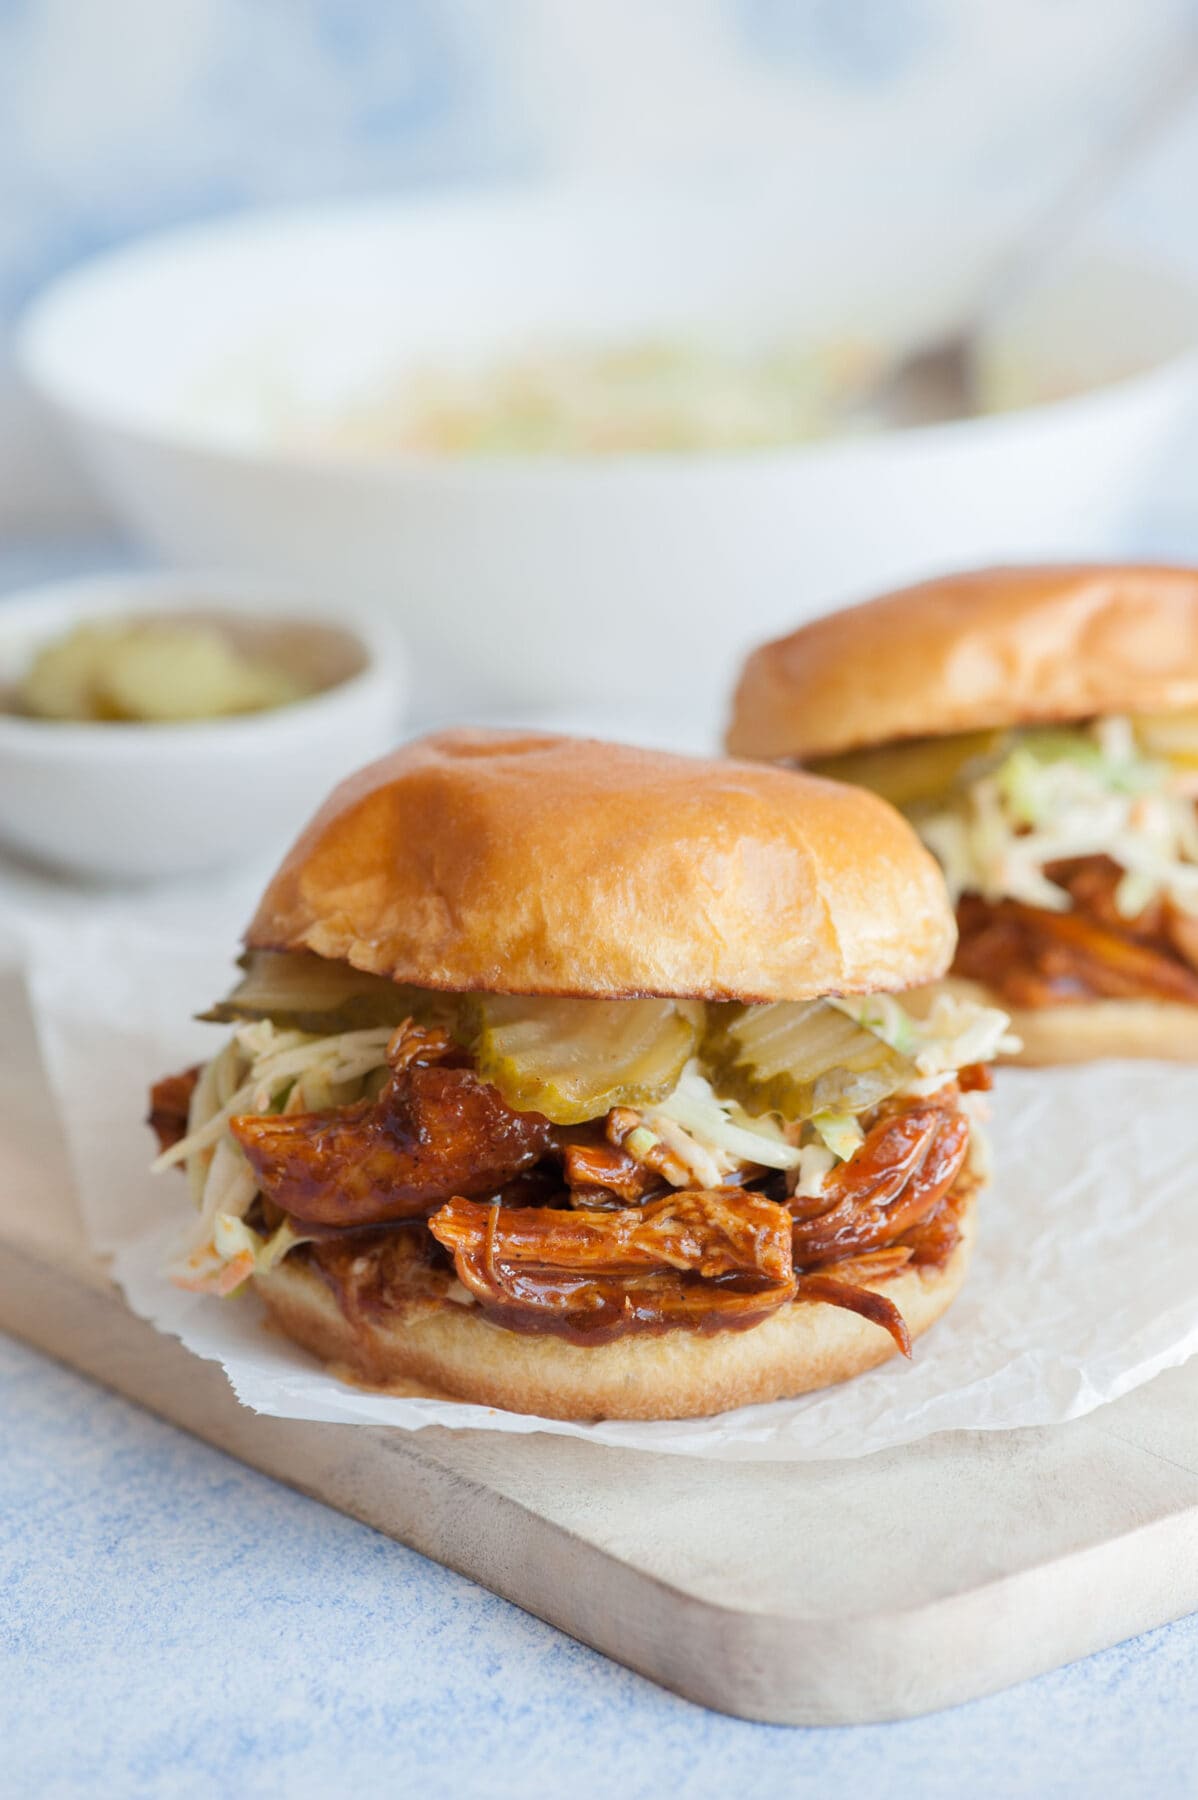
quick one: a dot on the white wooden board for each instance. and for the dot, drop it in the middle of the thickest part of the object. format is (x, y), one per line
(802, 1594)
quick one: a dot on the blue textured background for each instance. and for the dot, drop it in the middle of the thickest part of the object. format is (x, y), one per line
(173, 1624)
(119, 117)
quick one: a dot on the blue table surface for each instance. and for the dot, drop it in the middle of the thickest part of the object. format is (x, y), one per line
(172, 1623)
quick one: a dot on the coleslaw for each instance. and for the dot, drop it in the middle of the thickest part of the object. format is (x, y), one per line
(1052, 795)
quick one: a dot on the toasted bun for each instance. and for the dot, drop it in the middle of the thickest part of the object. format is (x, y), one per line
(447, 1349)
(1086, 1030)
(509, 862)
(969, 652)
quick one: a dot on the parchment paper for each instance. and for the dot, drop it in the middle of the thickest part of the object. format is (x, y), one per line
(1083, 1286)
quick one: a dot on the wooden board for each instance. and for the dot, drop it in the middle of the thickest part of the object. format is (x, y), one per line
(802, 1593)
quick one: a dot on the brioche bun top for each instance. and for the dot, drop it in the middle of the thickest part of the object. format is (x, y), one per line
(517, 862)
(970, 652)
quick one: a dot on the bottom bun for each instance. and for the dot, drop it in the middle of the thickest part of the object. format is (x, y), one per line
(1090, 1029)
(452, 1351)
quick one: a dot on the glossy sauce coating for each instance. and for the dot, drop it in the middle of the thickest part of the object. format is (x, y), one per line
(434, 1132)
(554, 1238)
(906, 1166)
(1030, 956)
(170, 1101)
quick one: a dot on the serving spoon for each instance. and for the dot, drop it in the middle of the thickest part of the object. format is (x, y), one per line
(938, 381)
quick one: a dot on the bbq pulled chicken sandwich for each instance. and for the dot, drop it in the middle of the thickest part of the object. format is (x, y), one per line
(569, 1078)
(1039, 728)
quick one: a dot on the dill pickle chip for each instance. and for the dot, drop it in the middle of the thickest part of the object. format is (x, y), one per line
(799, 1058)
(573, 1060)
(1170, 734)
(906, 773)
(310, 993)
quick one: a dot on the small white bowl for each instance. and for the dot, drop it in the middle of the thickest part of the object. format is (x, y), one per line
(133, 802)
(559, 580)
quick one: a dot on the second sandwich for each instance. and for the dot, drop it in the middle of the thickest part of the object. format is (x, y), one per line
(1039, 727)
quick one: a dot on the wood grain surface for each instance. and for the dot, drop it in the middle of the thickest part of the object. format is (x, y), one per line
(801, 1594)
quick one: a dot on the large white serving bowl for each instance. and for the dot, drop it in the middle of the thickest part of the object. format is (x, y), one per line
(533, 580)
(133, 802)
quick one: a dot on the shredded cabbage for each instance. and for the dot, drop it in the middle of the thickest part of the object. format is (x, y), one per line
(816, 1163)
(233, 1252)
(642, 394)
(265, 1068)
(721, 1125)
(951, 1035)
(976, 1108)
(274, 1060)
(840, 1133)
(1056, 794)
(261, 1069)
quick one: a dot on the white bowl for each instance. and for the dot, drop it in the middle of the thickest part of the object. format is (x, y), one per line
(566, 579)
(130, 802)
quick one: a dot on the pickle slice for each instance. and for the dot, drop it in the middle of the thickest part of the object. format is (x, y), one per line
(799, 1058)
(1170, 734)
(573, 1060)
(907, 773)
(310, 993)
